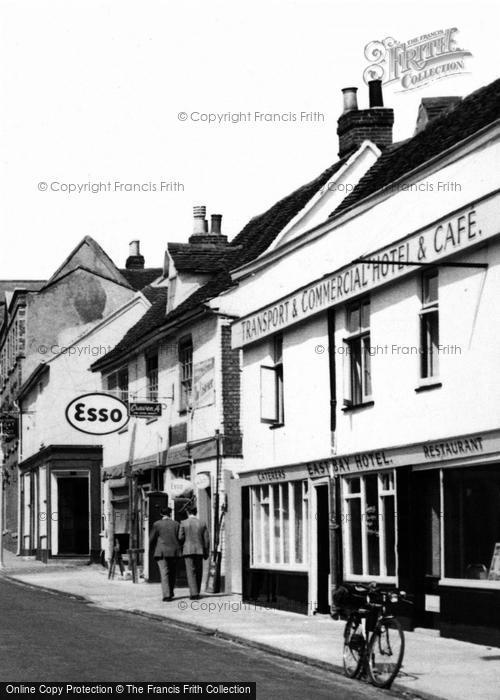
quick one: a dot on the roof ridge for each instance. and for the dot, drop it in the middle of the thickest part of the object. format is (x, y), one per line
(474, 112)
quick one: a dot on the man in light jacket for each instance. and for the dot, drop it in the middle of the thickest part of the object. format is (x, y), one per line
(166, 534)
(195, 539)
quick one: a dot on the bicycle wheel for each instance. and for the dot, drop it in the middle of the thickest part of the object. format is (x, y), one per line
(354, 645)
(385, 652)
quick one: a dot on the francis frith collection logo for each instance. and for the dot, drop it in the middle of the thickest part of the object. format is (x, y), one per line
(416, 62)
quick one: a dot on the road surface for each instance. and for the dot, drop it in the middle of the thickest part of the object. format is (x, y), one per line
(49, 637)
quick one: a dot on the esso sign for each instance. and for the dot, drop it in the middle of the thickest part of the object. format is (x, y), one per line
(202, 480)
(97, 414)
(178, 486)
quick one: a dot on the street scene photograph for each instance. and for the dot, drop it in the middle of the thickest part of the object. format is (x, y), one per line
(249, 349)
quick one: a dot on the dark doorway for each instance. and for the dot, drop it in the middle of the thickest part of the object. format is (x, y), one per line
(427, 548)
(323, 548)
(73, 515)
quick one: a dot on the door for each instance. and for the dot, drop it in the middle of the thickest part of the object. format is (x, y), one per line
(322, 549)
(73, 515)
(427, 548)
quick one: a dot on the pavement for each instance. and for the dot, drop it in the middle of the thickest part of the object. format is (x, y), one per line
(433, 667)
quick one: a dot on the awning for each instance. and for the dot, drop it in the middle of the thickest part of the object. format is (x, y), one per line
(204, 450)
(116, 471)
(118, 483)
(178, 456)
(142, 465)
(119, 498)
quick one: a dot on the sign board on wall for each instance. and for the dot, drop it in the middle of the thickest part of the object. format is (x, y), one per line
(460, 231)
(451, 450)
(204, 383)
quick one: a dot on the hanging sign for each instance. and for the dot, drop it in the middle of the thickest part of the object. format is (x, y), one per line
(97, 414)
(145, 410)
(202, 481)
(8, 427)
(178, 486)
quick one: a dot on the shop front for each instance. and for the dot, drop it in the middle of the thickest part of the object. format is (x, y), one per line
(60, 502)
(426, 518)
(423, 518)
(286, 537)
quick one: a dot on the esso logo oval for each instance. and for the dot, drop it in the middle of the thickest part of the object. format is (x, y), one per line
(97, 414)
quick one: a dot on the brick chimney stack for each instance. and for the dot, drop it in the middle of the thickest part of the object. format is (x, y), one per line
(135, 260)
(358, 125)
(200, 235)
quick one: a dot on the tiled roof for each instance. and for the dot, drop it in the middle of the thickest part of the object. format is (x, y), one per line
(469, 116)
(253, 240)
(138, 279)
(153, 318)
(261, 231)
(192, 257)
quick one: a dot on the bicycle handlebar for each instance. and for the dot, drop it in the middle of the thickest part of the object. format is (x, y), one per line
(373, 587)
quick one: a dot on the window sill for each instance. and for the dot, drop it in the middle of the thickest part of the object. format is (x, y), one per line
(292, 568)
(356, 406)
(360, 578)
(275, 426)
(428, 387)
(469, 583)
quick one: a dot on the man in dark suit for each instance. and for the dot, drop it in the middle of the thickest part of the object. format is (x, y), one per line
(166, 534)
(194, 537)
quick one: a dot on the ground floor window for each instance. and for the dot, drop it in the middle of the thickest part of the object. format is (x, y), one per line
(472, 522)
(279, 525)
(369, 525)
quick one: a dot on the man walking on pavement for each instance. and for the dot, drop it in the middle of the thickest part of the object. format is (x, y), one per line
(195, 539)
(166, 534)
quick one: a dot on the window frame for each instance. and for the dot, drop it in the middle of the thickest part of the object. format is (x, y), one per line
(359, 338)
(119, 391)
(273, 563)
(276, 371)
(383, 576)
(449, 581)
(152, 376)
(429, 360)
(185, 358)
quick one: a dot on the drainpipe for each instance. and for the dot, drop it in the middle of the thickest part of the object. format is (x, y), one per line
(1, 515)
(333, 485)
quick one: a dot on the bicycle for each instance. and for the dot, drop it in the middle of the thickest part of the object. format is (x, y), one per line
(374, 642)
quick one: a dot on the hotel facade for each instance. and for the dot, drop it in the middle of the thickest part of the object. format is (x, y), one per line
(371, 438)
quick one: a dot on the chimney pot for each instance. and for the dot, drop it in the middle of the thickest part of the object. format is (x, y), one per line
(134, 248)
(216, 224)
(199, 223)
(350, 99)
(375, 93)
(135, 260)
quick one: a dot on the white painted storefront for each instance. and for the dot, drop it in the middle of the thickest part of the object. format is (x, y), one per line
(308, 309)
